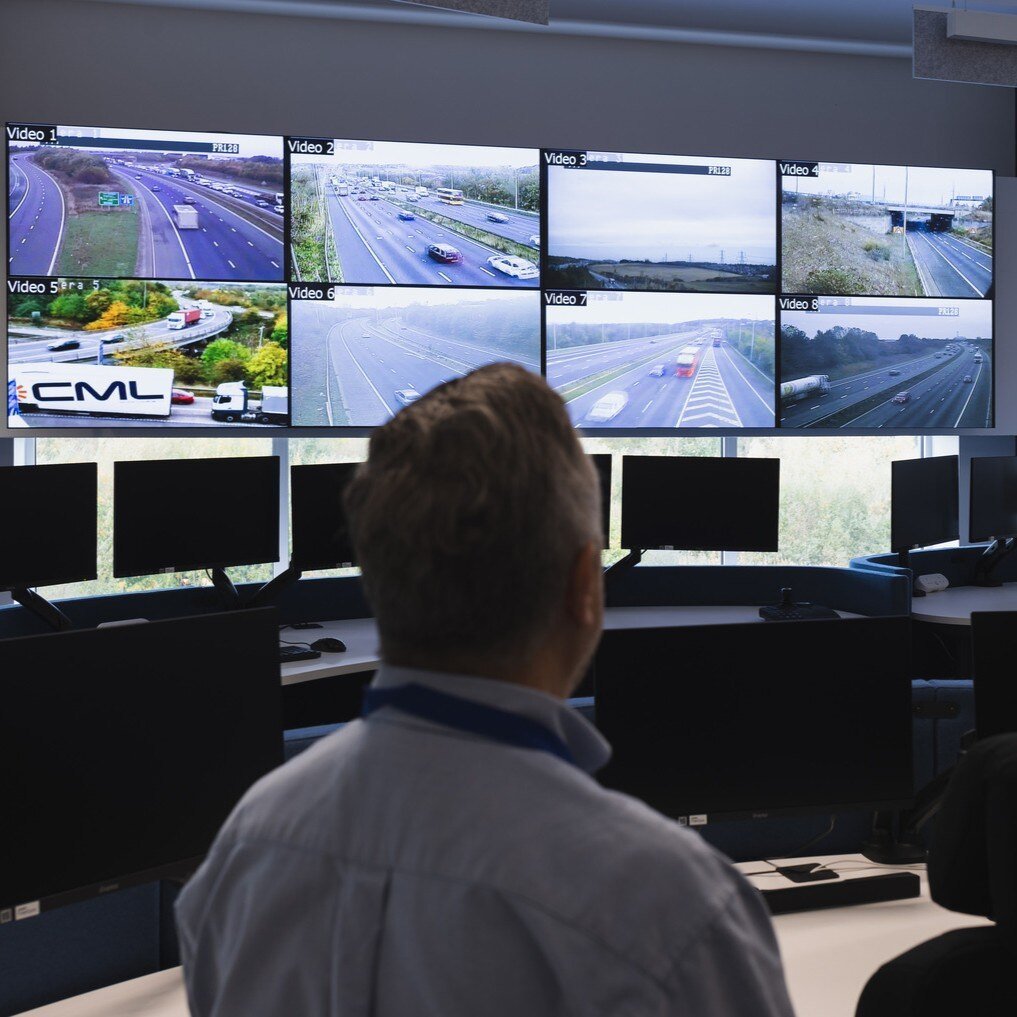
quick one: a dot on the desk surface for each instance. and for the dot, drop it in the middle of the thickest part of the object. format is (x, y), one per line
(828, 955)
(954, 605)
(361, 635)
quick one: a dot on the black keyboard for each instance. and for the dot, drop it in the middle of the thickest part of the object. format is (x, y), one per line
(288, 654)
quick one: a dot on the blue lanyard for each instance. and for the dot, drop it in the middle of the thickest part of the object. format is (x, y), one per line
(465, 715)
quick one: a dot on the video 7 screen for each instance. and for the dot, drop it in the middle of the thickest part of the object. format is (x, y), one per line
(113, 203)
(379, 213)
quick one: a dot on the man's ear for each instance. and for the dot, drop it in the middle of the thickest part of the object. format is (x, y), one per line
(584, 595)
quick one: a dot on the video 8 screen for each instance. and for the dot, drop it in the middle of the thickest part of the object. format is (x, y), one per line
(146, 278)
(886, 305)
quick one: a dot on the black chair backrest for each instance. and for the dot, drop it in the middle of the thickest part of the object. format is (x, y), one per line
(973, 858)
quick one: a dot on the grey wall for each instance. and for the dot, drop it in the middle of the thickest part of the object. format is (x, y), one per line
(66, 61)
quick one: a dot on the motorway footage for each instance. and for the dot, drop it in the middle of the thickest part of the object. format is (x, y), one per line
(190, 279)
(363, 355)
(146, 204)
(426, 215)
(664, 360)
(887, 231)
(877, 362)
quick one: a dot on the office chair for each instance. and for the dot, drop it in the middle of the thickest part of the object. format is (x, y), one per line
(973, 870)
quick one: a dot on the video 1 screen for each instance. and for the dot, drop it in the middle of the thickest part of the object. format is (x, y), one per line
(872, 362)
(140, 353)
(382, 212)
(47, 524)
(361, 353)
(904, 231)
(660, 222)
(153, 526)
(661, 360)
(117, 203)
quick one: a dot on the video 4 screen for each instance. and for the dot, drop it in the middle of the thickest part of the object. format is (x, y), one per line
(113, 203)
(872, 362)
(905, 231)
(653, 222)
(362, 353)
(377, 212)
(662, 360)
(141, 353)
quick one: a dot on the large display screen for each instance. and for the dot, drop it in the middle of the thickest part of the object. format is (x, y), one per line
(187, 279)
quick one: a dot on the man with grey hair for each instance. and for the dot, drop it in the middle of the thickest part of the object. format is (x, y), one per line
(450, 854)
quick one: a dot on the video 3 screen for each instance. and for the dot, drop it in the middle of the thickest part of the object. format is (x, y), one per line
(662, 360)
(362, 353)
(377, 212)
(906, 231)
(115, 203)
(873, 362)
(140, 353)
(653, 222)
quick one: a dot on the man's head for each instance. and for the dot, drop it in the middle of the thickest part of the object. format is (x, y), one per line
(476, 524)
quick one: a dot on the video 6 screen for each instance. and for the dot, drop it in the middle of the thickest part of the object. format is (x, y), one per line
(146, 284)
(362, 353)
(886, 314)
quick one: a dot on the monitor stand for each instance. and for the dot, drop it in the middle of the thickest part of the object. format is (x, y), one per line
(41, 608)
(631, 560)
(275, 587)
(991, 557)
(227, 591)
(904, 562)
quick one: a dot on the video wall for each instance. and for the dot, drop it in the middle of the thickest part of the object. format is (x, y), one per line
(220, 280)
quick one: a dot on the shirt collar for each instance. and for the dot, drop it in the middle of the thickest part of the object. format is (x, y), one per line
(588, 747)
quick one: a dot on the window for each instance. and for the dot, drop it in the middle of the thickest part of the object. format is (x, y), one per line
(106, 451)
(835, 492)
(835, 496)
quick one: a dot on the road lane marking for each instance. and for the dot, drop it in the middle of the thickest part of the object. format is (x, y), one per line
(955, 268)
(28, 187)
(63, 218)
(482, 269)
(445, 277)
(230, 263)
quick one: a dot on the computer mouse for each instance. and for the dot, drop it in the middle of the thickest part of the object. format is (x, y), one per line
(329, 645)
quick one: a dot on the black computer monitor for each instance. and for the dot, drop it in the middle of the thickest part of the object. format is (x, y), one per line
(173, 515)
(47, 524)
(923, 502)
(602, 464)
(699, 503)
(750, 720)
(993, 498)
(993, 652)
(124, 749)
(321, 535)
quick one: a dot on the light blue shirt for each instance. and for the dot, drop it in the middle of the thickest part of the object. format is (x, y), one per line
(399, 868)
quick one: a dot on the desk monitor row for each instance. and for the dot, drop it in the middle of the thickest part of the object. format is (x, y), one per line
(134, 769)
(179, 515)
(925, 500)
